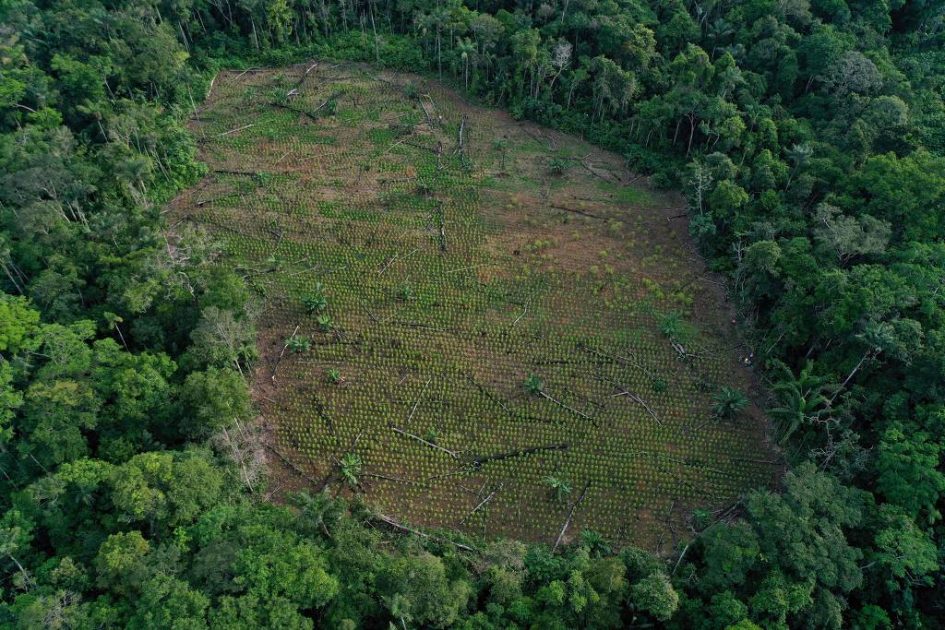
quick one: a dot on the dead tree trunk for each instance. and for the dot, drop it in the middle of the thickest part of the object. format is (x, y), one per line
(441, 215)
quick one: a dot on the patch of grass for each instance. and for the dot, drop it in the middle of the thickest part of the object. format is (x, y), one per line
(629, 195)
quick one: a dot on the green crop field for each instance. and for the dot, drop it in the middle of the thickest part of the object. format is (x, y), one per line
(475, 322)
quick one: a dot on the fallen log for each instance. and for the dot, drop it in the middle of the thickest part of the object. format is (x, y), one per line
(564, 406)
(619, 359)
(398, 526)
(481, 504)
(313, 115)
(301, 80)
(482, 459)
(452, 454)
(433, 118)
(576, 211)
(288, 462)
(462, 129)
(295, 109)
(416, 404)
(434, 150)
(637, 399)
(567, 523)
(204, 202)
(385, 477)
(226, 133)
(680, 559)
(225, 171)
(603, 174)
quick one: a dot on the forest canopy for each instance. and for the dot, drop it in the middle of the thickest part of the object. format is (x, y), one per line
(809, 139)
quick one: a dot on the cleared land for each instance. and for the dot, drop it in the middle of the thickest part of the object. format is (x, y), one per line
(459, 252)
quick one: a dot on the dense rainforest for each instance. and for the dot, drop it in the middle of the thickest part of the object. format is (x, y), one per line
(809, 138)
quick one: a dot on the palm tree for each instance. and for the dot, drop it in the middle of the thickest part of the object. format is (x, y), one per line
(728, 402)
(718, 31)
(595, 543)
(803, 398)
(799, 155)
(350, 466)
(399, 606)
(319, 511)
(560, 489)
(466, 50)
(113, 320)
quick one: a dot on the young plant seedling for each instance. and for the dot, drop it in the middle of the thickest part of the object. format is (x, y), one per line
(324, 322)
(701, 519)
(671, 325)
(533, 385)
(315, 302)
(557, 166)
(404, 293)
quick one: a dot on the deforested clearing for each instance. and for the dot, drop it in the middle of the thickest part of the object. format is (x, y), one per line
(475, 322)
